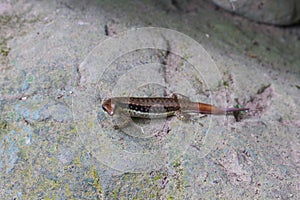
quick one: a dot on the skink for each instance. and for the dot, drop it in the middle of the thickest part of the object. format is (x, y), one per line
(159, 107)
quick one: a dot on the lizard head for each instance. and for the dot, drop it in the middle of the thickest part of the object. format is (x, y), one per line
(108, 106)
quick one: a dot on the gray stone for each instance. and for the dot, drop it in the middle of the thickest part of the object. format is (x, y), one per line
(275, 12)
(6, 9)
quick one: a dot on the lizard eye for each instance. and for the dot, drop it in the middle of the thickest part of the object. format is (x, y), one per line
(108, 107)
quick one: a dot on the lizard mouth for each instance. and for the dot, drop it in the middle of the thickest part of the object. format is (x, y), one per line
(107, 107)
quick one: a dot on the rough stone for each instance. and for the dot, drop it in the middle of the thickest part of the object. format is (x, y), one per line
(275, 12)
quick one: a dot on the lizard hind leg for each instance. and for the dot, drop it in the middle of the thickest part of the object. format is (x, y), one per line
(187, 118)
(181, 96)
(182, 116)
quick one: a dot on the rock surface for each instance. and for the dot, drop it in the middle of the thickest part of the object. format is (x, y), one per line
(60, 59)
(271, 12)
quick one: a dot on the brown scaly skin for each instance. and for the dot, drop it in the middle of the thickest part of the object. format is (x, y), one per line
(159, 107)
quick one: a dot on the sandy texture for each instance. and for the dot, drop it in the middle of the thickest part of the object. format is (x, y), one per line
(59, 61)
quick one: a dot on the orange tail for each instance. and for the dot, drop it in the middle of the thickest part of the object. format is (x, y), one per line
(210, 109)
